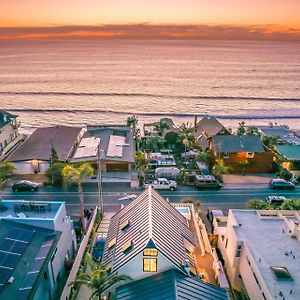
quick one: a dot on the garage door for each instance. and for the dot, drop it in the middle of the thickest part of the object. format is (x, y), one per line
(117, 167)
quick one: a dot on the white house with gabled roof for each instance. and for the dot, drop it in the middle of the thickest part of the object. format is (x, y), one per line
(149, 236)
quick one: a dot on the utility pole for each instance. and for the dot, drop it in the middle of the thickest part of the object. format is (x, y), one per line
(100, 189)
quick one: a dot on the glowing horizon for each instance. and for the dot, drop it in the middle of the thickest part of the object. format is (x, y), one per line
(193, 19)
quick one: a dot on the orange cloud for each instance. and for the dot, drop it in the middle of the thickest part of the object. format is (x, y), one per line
(152, 31)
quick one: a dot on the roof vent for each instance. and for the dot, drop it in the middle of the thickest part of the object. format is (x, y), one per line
(11, 280)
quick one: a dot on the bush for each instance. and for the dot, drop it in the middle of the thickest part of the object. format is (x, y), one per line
(54, 173)
(256, 204)
(285, 174)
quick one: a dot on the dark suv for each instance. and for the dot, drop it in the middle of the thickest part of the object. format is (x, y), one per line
(25, 185)
(281, 184)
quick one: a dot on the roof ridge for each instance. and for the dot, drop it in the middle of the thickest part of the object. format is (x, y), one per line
(150, 211)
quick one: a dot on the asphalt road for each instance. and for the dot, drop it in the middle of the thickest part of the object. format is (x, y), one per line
(224, 199)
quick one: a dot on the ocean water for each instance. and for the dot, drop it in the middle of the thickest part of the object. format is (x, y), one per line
(93, 81)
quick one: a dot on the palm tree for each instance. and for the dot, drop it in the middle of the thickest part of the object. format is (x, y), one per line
(6, 169)
(154, 143)
(141, 163)
(220, 169)
(160, 126)
(75, 174)
(186, 132)
(99, 279)
(132, 122)
(203, 156)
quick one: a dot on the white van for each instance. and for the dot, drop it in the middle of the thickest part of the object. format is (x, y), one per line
(169, 173)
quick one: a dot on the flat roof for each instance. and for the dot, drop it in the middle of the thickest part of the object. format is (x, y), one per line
(28, 210)
(38, 144)
(269, 240)
(116, 142)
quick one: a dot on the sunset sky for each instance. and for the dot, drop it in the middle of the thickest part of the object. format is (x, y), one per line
(273, 19)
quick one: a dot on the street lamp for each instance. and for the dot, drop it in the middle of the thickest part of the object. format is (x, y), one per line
(99, 177)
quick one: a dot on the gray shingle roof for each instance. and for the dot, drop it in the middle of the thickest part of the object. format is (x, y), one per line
(170, 285)
(289, 152)
(237, 143)
(37, 146)
(152, 220)
(209, 126)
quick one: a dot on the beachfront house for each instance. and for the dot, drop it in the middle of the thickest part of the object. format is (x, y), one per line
(289, 156)
(206, 128)
(34, 155)
(116, 144)
(9, 135)
(242, 153)
(36, 242)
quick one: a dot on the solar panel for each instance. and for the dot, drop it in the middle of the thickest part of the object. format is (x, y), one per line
(20, 234)
(28, 281)
(7, 245)
(36, 265)
(23, 294)
(4, 275)
(19, 247)
(10, 261)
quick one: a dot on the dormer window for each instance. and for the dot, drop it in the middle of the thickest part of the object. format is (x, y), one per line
(112, 243)
(124, 226)
(127, 246)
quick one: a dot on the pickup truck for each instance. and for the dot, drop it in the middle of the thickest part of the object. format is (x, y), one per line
(162, 184)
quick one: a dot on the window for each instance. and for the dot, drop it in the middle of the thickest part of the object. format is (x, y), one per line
(112, 243)
(150, 252)
(127, 246)
(226, 243)
(250, 154)
(225, 155)
(281, 273)
(124, 225)
(264, 296)
(150, 264)
(238, 251)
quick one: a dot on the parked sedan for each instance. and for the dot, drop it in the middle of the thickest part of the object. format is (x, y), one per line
(281, 184)
(275, 199)
(25, 185)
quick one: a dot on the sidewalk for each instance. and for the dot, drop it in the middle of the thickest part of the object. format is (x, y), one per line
(253, 181)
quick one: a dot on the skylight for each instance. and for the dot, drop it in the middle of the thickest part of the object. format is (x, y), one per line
(281, 273)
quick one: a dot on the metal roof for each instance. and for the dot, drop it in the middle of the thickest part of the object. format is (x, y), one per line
(237, 143)
(170, 285)
(38, 145)
(151, 220)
